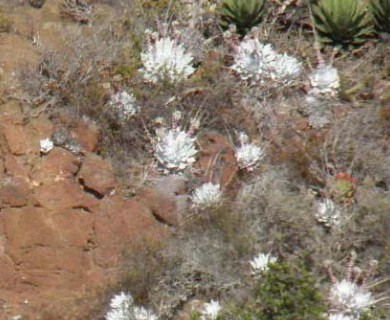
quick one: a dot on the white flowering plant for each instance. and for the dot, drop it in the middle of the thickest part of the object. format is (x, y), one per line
(350, 297)
(327, 213)
(122, 308)
(207, 195)
(324, 81)
(165, 59)
(124, 104)
(46, 145)
(210, 310)
(248, 155)
(258, 62)
(261, 262)
(175, 147)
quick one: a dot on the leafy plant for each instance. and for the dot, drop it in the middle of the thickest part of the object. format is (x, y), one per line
(342, 23)
(381, 14)
(37, 3)
(286, 292)
(244, 14)
(5, 22)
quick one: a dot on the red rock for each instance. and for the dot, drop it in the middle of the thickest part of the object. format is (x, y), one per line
(21, 139)
(64, 194)
(16, 167)
(14, 192)
(87, 135)
(216, 160)
(43, 126)
(123, 224)
(96, 174)
(162, 205)
(58, 164)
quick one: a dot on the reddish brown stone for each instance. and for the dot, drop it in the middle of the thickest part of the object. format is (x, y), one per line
(87, 135)
(14, 192)
(16, 167)
(96, 174)
(21, 139)
(122, 224)
(58, 164)
(64, 194)
(217, 162)
(43, 126)
(162, 205)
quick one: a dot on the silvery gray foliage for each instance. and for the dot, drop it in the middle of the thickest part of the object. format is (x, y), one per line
(324, 81)
(258, 62)
(207, 195)
(165, 59)
(124, 104)
(122, 308)
(328, 213)
(248, 155)
(175, 147)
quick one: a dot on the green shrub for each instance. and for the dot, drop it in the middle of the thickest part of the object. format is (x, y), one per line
(244, 14)
(286, 292)
(342, 23)
(381, 14)
(5, 22)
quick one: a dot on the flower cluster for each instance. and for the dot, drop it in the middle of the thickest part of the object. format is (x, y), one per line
(124, 104)
(175, 147)
(207, 195)
(210, 310)
(45, 145)
(261, 263)
(259, 62)
(248, 155)
(122, 308)
(324, 81)
(350, 297)
(327, 213)
(165, 59)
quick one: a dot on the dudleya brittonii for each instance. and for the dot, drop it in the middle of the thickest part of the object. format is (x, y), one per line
(258, 62)
(175, 147)
(165, 59)
(248, 155)
(324, 80)
(207, 195)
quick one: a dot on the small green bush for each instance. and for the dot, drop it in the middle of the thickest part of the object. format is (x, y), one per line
(342, 23)
(286, 292)
(381, 13)
(244, 14)
(5, 22)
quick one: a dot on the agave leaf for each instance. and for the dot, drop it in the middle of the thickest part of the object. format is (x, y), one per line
(245, 14)
(342, 22)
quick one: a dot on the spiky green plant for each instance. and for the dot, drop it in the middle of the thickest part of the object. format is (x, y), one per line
(342, 23)
(381, 14)
(244, 14)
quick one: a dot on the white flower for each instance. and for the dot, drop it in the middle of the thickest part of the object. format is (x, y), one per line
(248, 154)
(261, 263)
(175, 149)
(140, 313)
(166, 59)
(327, 213)
(259, 62)
(324, 80)
(210, 310)
(124, 104)
(340, 316)
(121, 307)
(207, 195)
(350, 298)
(46, 145)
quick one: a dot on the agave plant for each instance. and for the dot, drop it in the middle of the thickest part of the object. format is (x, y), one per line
(381, 14)
(343, 23)
(244, 14)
